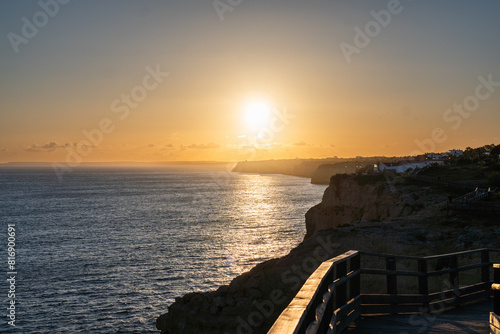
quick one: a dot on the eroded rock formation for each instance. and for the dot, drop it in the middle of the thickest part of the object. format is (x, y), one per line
(351, 198)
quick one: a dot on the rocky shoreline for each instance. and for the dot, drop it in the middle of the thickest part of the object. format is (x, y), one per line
(372, 214)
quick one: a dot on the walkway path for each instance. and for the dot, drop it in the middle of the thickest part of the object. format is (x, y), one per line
(467, 319)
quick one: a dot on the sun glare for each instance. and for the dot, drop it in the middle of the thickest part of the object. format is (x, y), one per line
(257, 113)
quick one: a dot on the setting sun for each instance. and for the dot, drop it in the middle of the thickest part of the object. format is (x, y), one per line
(257, 113)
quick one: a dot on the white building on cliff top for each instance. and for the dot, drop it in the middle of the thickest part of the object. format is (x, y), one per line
(403, 166)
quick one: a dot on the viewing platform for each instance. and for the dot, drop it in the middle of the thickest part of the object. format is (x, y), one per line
(449, 293)
(472, 318)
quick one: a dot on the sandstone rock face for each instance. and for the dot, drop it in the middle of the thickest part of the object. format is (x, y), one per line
(351, 198)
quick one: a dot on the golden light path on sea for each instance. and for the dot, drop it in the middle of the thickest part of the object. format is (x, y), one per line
(261, 233)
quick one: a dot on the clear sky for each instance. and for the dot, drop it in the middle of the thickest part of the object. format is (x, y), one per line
(160, 80)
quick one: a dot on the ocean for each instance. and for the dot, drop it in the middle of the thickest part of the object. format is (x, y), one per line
(108, 249)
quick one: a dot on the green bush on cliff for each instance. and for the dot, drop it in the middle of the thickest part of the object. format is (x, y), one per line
(369, 179)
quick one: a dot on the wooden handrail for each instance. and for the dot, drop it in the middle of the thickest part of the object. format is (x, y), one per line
(325, 304)
(495, 287)
(431, 257)
(301, 313)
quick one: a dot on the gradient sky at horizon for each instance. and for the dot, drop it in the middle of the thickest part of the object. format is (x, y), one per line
(392, 95)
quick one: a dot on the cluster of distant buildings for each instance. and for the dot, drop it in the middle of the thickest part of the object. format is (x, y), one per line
(403, 166)
(449, 154)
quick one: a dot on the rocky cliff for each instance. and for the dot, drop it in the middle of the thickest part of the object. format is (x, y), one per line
(351, 198)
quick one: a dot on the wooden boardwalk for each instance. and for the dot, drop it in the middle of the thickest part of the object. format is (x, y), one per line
(332, 299)
(467, 319)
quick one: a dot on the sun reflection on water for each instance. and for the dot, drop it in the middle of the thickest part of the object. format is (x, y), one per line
(259, 233)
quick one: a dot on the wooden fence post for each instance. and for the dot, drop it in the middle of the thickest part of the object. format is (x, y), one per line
(341, 289)
(392, 282)
(454, 274)
(496, 292)
(355, 282)
(485, 270)
(423, 282)
(454, 282)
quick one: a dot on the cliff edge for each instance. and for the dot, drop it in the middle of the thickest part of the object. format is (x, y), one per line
(351, 198)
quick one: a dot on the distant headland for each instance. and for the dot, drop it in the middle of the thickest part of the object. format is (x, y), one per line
(321, 170)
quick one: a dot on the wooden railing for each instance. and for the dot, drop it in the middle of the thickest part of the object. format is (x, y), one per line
(336, 293)
(472, 201)
(495, 315)
(479, 197)
(324, 293)
(466, 198)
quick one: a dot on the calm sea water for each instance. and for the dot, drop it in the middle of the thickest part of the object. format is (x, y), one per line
(107, 250)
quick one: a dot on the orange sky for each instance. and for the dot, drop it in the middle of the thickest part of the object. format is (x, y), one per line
(170, 82)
